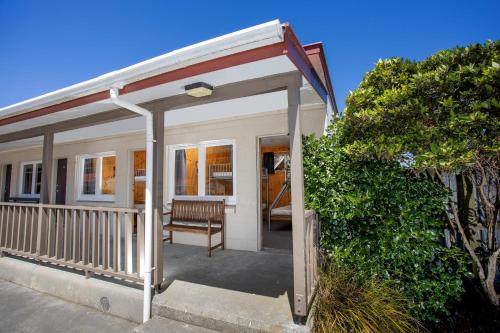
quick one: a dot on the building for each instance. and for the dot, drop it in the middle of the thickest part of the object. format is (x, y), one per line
(219, 120)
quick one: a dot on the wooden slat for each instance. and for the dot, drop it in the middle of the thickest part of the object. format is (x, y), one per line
(59, 215)
(8, 223)
(51, 236)
(95, 238)
(105, 240)
(20, 229)
(68, 224)
(140, 245)
(76, 223)
(191, 228)
(3, 224)
(119, 234)
(83, 216)
(34, 229)
(116, 241)
(26, 236)
(129, 227)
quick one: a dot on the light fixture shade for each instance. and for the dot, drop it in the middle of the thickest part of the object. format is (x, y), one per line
(199, 89)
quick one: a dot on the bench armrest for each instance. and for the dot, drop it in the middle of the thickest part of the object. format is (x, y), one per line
(168, 213)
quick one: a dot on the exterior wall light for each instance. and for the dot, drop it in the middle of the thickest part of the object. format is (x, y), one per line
(199, 89)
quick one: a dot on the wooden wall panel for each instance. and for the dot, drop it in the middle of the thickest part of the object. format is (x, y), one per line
(277, 179)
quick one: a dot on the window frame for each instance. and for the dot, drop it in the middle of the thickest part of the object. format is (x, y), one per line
(32, 193)
(201, 146)
(98, 196)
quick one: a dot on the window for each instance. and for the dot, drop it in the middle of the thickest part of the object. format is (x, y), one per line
(31, 179)
(203, 170)
(97, 177)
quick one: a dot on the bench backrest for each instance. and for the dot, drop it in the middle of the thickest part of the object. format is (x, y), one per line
(198, 211)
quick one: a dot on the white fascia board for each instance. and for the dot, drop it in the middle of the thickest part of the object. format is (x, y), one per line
(242, 40)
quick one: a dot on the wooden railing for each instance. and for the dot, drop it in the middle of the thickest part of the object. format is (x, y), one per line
(311, 249)
(97, 240)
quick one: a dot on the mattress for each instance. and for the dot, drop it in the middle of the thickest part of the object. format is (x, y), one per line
(222, 174)
(282, 211)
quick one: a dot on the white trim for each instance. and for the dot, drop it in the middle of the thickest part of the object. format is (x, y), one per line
(230, 200)
(32, 193)
(98, 196)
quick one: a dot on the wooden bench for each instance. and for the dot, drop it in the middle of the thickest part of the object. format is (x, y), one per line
(24, 199)
(196, 216)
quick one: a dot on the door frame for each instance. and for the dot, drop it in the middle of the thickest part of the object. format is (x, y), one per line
(260, 220)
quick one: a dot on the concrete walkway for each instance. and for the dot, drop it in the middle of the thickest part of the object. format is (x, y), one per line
(25, 310)
(28, 311)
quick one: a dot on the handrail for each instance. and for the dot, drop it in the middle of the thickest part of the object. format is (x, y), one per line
(79, 207)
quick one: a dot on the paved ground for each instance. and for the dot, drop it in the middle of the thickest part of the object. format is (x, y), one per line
(25, 310)
(28, 311)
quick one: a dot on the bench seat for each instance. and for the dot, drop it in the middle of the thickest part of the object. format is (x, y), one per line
(190, 228)
(197, 216)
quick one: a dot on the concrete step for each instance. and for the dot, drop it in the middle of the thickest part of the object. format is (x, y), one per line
(165, 325)
(225, 310)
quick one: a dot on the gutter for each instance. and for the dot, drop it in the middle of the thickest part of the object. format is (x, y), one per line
(148, 229)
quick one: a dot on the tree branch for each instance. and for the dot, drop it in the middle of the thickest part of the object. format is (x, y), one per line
(468, 246)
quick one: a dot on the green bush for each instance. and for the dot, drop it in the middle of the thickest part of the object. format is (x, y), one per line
(350, 301)
(380, 217)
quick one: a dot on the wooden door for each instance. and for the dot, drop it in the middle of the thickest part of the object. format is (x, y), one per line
(6, 188)
(62, 164)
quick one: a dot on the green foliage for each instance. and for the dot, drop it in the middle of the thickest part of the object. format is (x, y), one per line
(382, 218)
(349, 301)
(443, 112)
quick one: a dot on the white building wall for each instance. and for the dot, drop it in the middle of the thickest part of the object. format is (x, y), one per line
(242, 218)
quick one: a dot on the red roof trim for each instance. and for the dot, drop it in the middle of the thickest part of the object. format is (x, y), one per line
(315, 48)
(298, 56)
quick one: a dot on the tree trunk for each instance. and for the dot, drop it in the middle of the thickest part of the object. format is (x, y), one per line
(489, 283)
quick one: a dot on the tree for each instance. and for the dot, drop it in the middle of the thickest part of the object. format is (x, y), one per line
(440, 118)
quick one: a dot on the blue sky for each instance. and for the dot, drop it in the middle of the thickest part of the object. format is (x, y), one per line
(47, 45)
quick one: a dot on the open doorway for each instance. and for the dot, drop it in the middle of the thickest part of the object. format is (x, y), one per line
(275, 198)
(139, 187)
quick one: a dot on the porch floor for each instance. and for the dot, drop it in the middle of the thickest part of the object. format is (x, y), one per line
(230, 291)
(262, 273)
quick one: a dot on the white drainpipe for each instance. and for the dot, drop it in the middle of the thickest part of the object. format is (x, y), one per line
(148, 243)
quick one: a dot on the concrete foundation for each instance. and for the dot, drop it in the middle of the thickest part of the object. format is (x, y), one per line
(109, 297)
(225, 310)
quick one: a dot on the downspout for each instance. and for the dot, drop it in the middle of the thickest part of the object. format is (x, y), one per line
(148, 243)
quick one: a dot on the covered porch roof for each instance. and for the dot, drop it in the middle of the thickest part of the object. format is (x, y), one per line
(260, 57)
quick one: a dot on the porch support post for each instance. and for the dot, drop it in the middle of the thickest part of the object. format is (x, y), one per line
(297, 189)
(158, 158)
(47, 157)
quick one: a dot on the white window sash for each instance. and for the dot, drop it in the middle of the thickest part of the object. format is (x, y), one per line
(202, 146)
(97, 196)
(32, 193)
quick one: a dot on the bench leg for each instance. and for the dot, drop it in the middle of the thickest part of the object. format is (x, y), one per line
(209, 244)
(171, 234)
(222, 238)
